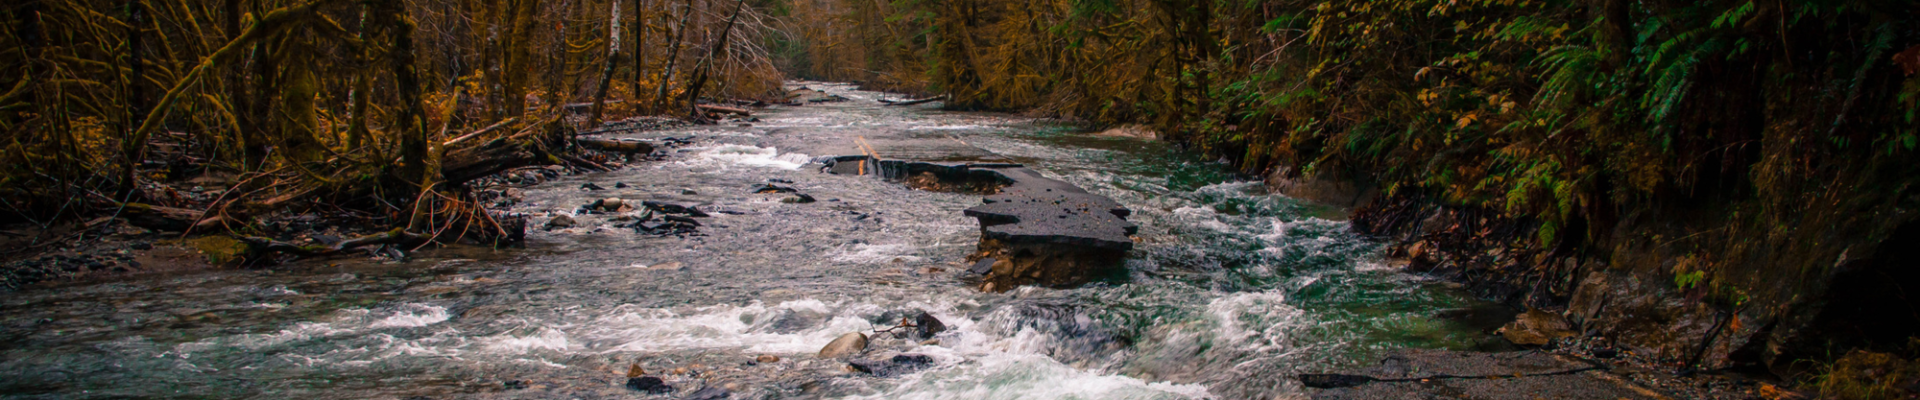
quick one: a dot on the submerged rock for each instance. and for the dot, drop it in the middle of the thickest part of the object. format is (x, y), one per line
(798, 198)
(649, 384)
(709, 393)
(1432, 374)
(769, 188)
(1536, 328)
(591, 186)
(845, 345)
(670, 208)
(926, 325)
(896, 365)
(766, 358)
(561, 221)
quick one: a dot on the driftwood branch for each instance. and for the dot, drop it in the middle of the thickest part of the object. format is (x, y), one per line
(624, 146)
(724, 109)
(397, 236)
(913, 101)
(482, 131)
(171, 219)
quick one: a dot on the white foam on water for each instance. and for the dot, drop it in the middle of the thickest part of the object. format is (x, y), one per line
(342, 322)
(754, 156)
(1028, 376)
(412, 315)
(946, 127)
(1203, 217)
(1255, 321)
(875, 254)
(717, 327)
(543, 339)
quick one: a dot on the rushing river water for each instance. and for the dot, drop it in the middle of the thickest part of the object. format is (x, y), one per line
(1230, 291)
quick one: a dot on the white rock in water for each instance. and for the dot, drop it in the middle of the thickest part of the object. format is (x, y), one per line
(846, 345)
(612, 203)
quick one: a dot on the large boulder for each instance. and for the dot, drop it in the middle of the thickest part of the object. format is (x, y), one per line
(844, 346)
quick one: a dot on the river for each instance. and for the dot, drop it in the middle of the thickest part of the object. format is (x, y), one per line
(1229, 291)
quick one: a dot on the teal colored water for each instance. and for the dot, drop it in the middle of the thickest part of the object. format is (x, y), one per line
(1229, 292)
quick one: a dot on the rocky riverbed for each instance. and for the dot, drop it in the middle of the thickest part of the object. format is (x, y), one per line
(726, 263)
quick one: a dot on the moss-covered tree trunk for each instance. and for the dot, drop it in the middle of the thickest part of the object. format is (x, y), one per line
(519, 51)
(409, 123)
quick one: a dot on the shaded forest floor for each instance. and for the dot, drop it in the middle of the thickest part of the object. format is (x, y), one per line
(133, 241)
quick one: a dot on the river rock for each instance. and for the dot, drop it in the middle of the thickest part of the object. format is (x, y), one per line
(670, 208)
(770, 188)
(927, 326)
(1442, 374)
(612, 203)
(1536, 328)
(561, 221)
(845, 345)
(798, 198)
(649, 384)
(892, 366)
(766, 358)
(591, 186)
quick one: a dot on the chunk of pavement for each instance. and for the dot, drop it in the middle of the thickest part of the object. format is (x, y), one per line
(1536, 328)
(649, 384)
(983, 266)
(892, 366)
(709, 393)
(561, 221)
(926, 325)
(845, 345)
(1047, 232)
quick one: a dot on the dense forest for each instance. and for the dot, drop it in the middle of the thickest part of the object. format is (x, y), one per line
(383, 107)
(1736, 149)
(1744, 153)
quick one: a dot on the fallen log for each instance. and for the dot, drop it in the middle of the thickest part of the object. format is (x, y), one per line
(582, 107)
(469, 163)
(482, 131)
(624, 146)
(168, 219)
(913, 101)
(396, 236)
(724, 109)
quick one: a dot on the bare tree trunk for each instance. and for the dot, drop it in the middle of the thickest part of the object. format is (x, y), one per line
(639, 52)
(362, 88)
(613, 60)
(133, 145)
(673, 54)
(706, 66)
